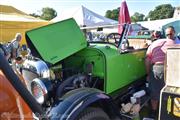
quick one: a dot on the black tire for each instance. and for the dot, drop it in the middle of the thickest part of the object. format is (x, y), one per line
(93, 114)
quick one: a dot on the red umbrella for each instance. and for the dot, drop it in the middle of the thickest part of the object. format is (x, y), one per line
(123, 16)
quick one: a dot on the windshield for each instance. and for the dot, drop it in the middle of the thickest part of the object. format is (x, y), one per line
(133, 33)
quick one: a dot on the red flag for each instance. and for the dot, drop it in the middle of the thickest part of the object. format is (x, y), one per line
(123, 16)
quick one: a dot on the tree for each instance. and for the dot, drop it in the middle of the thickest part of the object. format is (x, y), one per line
(137, 17)
(112, 14)
(108, 13)
(34, 15)
(161, 12)
(48, 13)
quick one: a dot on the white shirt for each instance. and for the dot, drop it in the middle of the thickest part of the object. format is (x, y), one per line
(15, 44)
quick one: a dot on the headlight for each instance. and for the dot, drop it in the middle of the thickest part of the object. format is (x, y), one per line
(37, 66)
(40, 89)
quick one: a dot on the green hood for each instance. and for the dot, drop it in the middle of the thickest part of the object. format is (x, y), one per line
(56, 41)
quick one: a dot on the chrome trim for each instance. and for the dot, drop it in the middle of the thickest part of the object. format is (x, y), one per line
(38, 66)
(43, 87)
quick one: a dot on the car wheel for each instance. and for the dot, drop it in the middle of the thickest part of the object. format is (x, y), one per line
(93, 114)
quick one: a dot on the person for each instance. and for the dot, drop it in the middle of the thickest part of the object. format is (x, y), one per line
(155, 57)
(11, 49)
(156, 35)
(16, 45)
(89, 36)
(3, 51)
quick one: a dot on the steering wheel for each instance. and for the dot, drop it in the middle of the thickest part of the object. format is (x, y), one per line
(113, 36)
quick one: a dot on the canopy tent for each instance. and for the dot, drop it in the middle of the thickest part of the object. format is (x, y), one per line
(175, 24)
(9, 9)
(157, 24)
(18, 17)
(84, 17)
(14, 21)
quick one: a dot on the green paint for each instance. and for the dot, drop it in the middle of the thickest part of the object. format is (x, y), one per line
(118, 70)
(121, 69)
(63, 41)
(57, 41)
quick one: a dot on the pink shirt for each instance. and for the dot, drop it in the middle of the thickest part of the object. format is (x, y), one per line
(157, 50)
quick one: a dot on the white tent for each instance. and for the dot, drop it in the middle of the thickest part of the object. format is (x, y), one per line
(157, 24)
(18, 17)
(84, 17)
(9, 13)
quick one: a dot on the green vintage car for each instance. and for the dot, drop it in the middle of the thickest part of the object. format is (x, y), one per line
(74, 79)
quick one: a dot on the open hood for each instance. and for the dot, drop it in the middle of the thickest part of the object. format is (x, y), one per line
(56, 41)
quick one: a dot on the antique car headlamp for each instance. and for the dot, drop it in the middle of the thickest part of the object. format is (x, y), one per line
(37, 66)
(40, 89)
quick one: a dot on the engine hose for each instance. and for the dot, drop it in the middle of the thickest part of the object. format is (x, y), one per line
(20, 88)
(65, 83)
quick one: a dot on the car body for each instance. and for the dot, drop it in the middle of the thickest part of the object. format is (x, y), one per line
(115, 68)
(68, 75)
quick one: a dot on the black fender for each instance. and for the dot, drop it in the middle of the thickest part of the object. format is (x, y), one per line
(72, 103)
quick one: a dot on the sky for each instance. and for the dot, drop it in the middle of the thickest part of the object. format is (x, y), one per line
(98, 6)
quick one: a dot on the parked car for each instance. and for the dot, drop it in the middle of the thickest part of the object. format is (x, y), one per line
(70, 78)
